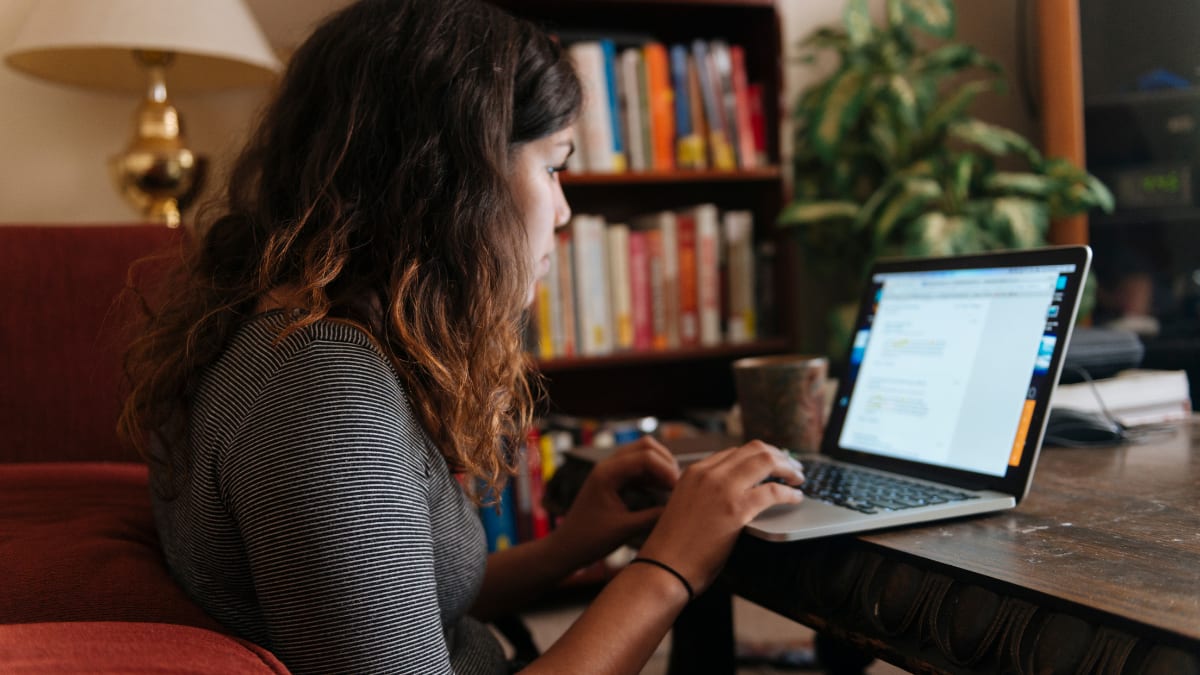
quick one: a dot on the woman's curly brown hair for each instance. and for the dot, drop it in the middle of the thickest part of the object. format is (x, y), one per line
(376, 188)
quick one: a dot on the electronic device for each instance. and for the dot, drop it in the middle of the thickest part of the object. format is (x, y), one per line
(942, 408)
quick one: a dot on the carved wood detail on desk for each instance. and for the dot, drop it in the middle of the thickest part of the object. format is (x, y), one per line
(1097, 571)
(926, 621)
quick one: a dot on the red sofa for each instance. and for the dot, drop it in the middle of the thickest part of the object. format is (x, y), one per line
(85, 587)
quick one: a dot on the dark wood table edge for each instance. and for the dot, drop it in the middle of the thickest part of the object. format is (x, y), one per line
(926, 616)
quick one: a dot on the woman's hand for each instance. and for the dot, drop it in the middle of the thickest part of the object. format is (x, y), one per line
(598, 520)
(713, 500)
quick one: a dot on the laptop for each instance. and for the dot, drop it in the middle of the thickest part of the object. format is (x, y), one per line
(942, 406)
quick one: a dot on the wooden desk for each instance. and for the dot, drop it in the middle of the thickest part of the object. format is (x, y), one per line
(1097, 571)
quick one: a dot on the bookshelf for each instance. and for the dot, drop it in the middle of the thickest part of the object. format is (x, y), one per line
(670, 382)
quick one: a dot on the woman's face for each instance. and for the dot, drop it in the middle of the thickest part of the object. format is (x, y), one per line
(543, 207)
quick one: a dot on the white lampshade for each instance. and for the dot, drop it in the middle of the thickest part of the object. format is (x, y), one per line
(216, 43)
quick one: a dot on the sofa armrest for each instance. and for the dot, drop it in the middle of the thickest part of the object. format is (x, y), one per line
(77, 543)
(121, 647)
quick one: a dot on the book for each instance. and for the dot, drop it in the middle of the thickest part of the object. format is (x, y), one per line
(708, 277)
(661, 99)
(621, 291)
(609, 50)
(1133, 397)
(498, 519)
(631, 107)
(719, 147)
(738, 231)
(592, 303)
(696, 108)
(641, 295)
(594, 126)
(689, 298)
(758, 121)
(747, 153)
(689, 149)
(565, 267)
(543, 317)
(664, 252)
(719, 53)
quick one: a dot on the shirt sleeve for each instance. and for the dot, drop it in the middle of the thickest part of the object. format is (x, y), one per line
(327, 482)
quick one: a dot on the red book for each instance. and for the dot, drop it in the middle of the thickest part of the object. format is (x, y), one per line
(639, 285)
(745, 130)
(566, 287)
(539, 519)
(689, 299)
(758, 121)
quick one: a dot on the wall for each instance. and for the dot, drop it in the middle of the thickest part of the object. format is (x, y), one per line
(56, 140)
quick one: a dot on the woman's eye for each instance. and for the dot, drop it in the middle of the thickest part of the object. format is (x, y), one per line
(554, 170)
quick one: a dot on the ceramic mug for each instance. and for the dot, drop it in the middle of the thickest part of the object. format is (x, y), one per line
(782, 399)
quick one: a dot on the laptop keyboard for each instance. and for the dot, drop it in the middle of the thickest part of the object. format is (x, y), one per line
(870, 492)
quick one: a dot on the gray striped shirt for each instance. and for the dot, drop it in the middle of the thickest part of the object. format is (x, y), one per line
(318, 519)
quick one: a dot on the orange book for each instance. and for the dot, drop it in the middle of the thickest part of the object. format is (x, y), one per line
(689, 297)
(662, 106)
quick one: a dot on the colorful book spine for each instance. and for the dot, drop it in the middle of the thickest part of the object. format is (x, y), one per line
(565, 266)
(723, 70)
(662, 105)
(696, 108)
(719, 146)
(689, 149)
(544, 314)
(631, 107)
(614, 113)
(539, 519)
(708, 276)
(621, 291)
(641, 295)
(758, 121)
(595, 127)
(745, 132)
(499, 521)
(591, 285)
(689, 318)
(741, 316)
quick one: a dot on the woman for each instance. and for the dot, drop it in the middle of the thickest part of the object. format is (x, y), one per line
(345, 338)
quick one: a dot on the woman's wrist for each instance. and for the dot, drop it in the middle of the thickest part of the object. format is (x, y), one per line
(658, 580)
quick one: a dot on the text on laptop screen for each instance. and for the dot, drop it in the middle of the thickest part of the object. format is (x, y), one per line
(947, 364)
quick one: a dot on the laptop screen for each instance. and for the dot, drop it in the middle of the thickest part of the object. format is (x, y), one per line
(948, 365)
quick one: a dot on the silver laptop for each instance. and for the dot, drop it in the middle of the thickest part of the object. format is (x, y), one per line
(942, 406)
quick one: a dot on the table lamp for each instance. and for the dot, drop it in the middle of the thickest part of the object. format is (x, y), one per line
(136, 46)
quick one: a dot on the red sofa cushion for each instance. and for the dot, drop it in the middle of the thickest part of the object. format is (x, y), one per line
(115, 647)
(62, 336)
(77, 543)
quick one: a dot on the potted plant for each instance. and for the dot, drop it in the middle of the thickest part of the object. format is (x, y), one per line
(889, 161)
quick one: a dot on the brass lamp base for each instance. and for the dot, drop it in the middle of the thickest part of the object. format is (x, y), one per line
(157, 173)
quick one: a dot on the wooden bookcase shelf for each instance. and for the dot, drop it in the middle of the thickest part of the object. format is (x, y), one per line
(635, 359)
(671, 383)
(578, 178)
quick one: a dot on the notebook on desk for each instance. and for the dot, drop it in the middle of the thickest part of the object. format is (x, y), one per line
(942, 406)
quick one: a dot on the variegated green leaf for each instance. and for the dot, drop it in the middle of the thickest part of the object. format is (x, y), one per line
(904, 99)
(805, 213)
(858, 22)
(952, 58)
(964, 168)
(935, 16)
(1020, 183)
(914, 194)
(952, 108)
(995, 139)
(838, 113)
(1027, 220)
(895, 12)
(825, 38)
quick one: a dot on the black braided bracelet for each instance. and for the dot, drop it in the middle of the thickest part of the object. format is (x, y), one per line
(650, 561)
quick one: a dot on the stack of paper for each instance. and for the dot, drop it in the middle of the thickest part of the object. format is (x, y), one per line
(1132, 396)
